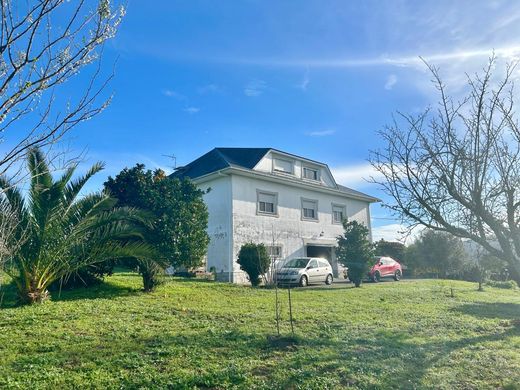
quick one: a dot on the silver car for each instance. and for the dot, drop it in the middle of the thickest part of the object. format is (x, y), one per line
(304, 271)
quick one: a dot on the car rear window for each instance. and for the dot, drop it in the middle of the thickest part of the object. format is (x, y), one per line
(324, 263)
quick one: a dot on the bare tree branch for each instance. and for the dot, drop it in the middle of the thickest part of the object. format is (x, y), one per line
(44, 44)
(456, 168)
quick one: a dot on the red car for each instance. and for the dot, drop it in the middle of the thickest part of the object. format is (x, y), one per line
(384, 267)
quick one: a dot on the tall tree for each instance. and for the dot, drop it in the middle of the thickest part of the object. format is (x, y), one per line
(355, 251)
(44, 44)
(456, 168)
(180, 215)
(438, 253)
(394, 249)
(58, 231)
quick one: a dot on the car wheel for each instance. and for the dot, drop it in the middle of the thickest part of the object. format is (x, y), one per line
(377, 277)
(328, 281)
(397, 275)
(303, 281)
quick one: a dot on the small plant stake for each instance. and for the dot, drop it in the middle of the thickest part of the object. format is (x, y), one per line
(277, 308)
(290, 311)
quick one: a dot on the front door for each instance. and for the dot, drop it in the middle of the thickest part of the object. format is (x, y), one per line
(324, 252)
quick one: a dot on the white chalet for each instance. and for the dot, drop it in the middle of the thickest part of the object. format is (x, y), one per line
(291, 204)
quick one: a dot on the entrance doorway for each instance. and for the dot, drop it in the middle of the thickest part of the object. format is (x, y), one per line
(325, 252)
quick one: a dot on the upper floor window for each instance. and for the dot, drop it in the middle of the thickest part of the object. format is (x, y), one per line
(311, 173)
(338, 213)
(267, 203)
(310, 209)
(280, 165)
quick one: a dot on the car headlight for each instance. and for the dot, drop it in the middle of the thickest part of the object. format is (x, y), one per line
(294, 272)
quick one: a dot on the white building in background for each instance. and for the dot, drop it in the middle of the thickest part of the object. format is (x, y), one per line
(291, 204)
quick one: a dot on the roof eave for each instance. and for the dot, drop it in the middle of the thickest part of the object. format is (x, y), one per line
(284, 180)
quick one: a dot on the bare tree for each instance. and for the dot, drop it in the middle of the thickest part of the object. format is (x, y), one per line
(12, 234)
(44, 44)
(456, 166)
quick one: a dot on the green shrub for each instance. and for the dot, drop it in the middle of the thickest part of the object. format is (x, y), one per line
(508, 285)
(355, 251)
(254, 260)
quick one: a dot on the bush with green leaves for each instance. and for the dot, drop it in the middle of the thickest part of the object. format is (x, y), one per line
(254, 260)
(439, 254)
(180, 217)
(508, 285)
(58, 230)
(355, 251)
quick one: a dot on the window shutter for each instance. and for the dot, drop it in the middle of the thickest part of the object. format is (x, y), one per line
(309, 205)
(283, 165)
(266, 198)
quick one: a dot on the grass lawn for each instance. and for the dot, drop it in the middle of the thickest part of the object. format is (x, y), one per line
(197, 334)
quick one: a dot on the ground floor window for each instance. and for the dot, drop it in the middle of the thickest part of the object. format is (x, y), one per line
(275, 251)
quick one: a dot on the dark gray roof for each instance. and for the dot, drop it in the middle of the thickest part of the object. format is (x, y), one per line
(220, 158)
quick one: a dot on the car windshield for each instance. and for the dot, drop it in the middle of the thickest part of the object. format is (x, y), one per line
(296, 263)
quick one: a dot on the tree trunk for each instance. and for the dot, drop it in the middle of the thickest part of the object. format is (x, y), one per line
(514, 270)
(33, 295)
(149, 282)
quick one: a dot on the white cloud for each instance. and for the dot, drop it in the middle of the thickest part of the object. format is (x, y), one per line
(509, 52)
(255, 88)
(355, 175)
(390, 82)
(396, 232)
(172, 94)
(191, 110)
(321, 133)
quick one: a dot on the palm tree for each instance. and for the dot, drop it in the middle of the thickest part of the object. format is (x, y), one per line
(57, 231)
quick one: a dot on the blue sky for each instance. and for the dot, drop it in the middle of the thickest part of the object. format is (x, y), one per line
(313, 78)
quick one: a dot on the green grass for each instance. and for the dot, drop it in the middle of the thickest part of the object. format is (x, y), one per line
(197, 334)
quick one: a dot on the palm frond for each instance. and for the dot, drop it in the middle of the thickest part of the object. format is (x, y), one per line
(66, 233)
(74, 188)
(12, 195)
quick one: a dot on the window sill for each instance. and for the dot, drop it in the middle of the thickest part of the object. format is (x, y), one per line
(275, 215)
(314, 181)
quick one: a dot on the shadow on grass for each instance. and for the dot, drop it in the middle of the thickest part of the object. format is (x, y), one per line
(498, 310)
(103, 290)
(233, 357)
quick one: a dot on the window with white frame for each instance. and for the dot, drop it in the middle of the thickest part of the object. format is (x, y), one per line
(267, 203)
(310, 209)
(338, 213)
(311, 173)
(281, 165)
(274, 251)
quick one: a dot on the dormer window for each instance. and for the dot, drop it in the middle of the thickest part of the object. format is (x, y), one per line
(281, 165)
(311, 173)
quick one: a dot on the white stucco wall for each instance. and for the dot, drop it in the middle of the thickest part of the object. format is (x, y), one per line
(287, 228)
(233, 219)
(218, 201)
